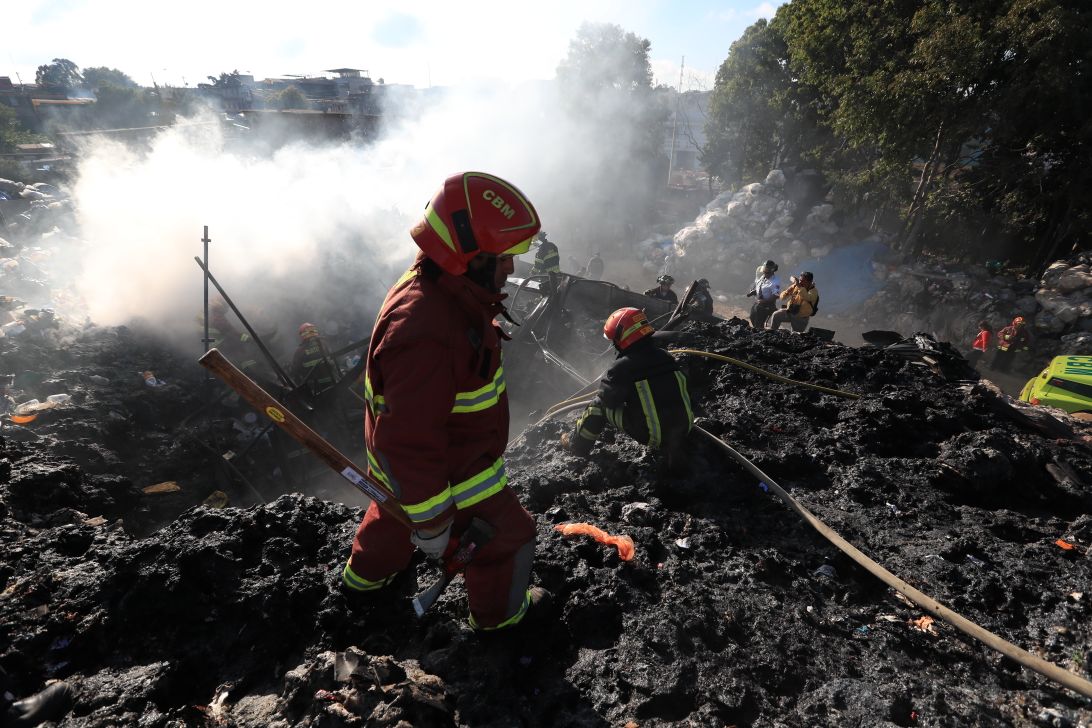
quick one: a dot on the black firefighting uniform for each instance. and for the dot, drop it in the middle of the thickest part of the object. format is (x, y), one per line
(312, 363)
(701, 302)
(547, 259)
(643, 394)
(668, 295)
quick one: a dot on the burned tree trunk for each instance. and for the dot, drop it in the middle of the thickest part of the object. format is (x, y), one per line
(912, 223)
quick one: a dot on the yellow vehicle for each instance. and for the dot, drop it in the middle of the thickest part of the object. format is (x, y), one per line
(1066, 383)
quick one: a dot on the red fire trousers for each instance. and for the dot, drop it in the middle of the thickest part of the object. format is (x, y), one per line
(497, 577)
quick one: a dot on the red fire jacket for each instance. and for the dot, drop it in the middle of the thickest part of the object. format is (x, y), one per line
(982, 341)
(436, 424)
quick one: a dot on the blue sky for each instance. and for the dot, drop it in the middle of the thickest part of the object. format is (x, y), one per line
(421, 43)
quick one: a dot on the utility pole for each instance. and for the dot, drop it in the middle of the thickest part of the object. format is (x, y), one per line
(675, 123)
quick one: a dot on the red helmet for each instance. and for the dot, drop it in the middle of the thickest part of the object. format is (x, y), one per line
(308, 330)
(626, 326)
(1018, 321)
(475, 213)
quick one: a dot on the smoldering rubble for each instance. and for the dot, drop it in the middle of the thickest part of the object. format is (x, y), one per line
(125, 574)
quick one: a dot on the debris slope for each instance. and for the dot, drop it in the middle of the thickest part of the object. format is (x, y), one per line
(732, 612)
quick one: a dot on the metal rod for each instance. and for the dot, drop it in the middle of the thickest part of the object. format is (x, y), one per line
(281, 373)
(205, 239)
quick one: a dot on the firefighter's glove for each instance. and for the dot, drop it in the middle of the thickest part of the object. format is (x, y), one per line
(750, 293)
(434, 544)
(566, 442)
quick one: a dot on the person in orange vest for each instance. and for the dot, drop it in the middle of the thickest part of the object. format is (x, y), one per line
(436, 420)
(1010, 339)
(981, 344)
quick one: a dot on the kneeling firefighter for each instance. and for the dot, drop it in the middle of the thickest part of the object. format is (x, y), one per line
(643, 393)
(436, 423)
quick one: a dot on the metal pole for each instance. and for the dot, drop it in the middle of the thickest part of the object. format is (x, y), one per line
(206, 241)
(675, 123)
(281, 374)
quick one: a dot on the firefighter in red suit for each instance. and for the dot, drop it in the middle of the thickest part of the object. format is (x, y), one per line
(436, 423)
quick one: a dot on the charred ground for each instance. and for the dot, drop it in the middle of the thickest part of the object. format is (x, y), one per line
(163, 611)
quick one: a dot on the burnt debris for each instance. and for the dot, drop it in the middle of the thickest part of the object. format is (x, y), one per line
(162, 609)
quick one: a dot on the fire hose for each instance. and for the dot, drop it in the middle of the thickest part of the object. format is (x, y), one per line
(579, 398)
(763, 372)
(1047, 669)
(1043, 667)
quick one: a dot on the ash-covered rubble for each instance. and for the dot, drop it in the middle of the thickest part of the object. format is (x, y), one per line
(37, 239)
(950, 299)
(733, 612)
(788, 219)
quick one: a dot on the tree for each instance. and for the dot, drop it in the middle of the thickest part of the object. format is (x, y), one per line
(227, 80)
(618, 118)
(289, 98)
(99, 76)
(61, 73)
(12, 132)
(744, 130)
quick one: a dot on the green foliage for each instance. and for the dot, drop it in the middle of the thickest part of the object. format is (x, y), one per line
(747, 109)
(227, 80)
(289, 98)
(12, 132)
(60, 74)
(99, 76)
(970, 117)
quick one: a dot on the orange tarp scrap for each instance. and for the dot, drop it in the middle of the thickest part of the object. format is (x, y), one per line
(1065, 545)
(624, 544)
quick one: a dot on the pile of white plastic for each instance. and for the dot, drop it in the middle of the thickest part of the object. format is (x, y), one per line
(1065, 293)
(951, 299)
(737, 231)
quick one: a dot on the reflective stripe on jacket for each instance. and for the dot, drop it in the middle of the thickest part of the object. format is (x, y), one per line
(547, 259)
(311, 363)
(644, 394)
(436, 424)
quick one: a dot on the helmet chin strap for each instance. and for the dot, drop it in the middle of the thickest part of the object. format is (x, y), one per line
(486, 275)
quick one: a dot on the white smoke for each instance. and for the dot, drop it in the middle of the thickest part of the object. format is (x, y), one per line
(321, 226)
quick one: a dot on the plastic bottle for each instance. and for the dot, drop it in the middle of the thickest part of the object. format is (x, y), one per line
(58, 398)
(27, 407)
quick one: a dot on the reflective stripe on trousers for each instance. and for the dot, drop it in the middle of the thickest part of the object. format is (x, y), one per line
(358, 583)
(519, 599)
